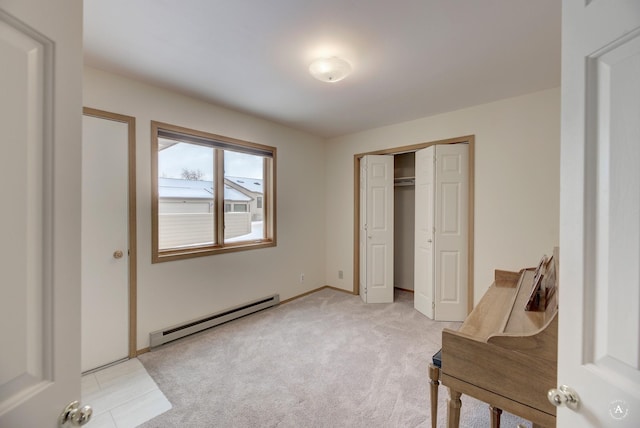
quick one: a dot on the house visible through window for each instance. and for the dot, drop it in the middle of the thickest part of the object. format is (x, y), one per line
(211, 193)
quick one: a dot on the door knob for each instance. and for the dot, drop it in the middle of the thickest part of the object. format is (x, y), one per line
(118, 254)
(429, 240)
(74, 415)
(564, 396)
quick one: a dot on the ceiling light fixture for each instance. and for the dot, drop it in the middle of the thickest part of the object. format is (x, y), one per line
(330, 70)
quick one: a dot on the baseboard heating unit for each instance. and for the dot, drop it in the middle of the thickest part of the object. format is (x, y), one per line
(161, 337)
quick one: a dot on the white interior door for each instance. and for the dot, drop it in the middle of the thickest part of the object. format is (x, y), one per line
(105, 243)
(424, 231)
(599, 328)
(442, 231)
(451, 234)
(40, 118)
(376, 233)
(362, 283)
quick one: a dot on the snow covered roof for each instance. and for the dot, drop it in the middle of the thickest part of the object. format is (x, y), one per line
(195, 189)
(179, 188)
(251, 184)
(231, 194)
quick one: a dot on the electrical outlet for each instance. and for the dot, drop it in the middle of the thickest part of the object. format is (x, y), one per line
(340, 274)
(301, 278)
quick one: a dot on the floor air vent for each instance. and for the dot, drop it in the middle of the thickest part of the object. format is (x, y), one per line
(161, 337)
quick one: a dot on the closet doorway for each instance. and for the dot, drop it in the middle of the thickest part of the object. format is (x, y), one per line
(442, 277)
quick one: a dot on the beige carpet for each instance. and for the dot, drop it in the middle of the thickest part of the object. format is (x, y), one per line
(324, 360)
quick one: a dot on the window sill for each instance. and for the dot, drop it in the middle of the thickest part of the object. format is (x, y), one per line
(171, 255)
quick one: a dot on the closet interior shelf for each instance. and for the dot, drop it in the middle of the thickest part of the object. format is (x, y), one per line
(404, 181)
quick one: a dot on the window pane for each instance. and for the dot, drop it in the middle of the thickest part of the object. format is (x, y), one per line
(186, 214)
(244, 181)
(194, 168)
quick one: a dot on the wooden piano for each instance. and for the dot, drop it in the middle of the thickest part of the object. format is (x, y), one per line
(503, 354)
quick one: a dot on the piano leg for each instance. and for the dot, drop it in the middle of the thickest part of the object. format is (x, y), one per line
(495, 416)
(453, 411)
(434, 377)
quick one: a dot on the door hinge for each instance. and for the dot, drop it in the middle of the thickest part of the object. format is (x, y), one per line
(433, 305)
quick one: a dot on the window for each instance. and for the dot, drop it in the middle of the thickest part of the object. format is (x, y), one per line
(203, 188)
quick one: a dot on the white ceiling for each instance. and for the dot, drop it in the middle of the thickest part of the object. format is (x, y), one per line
(410, 58)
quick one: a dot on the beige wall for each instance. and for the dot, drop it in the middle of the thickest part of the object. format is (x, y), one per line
(174, 292)
(516, 204)
(516, 181)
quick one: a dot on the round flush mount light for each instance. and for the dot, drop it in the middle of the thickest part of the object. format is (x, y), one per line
(330, 70)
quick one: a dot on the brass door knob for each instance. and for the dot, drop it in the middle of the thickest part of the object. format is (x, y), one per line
(118, 254)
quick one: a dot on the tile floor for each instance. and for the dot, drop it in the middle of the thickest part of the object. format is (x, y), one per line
(122, 396)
